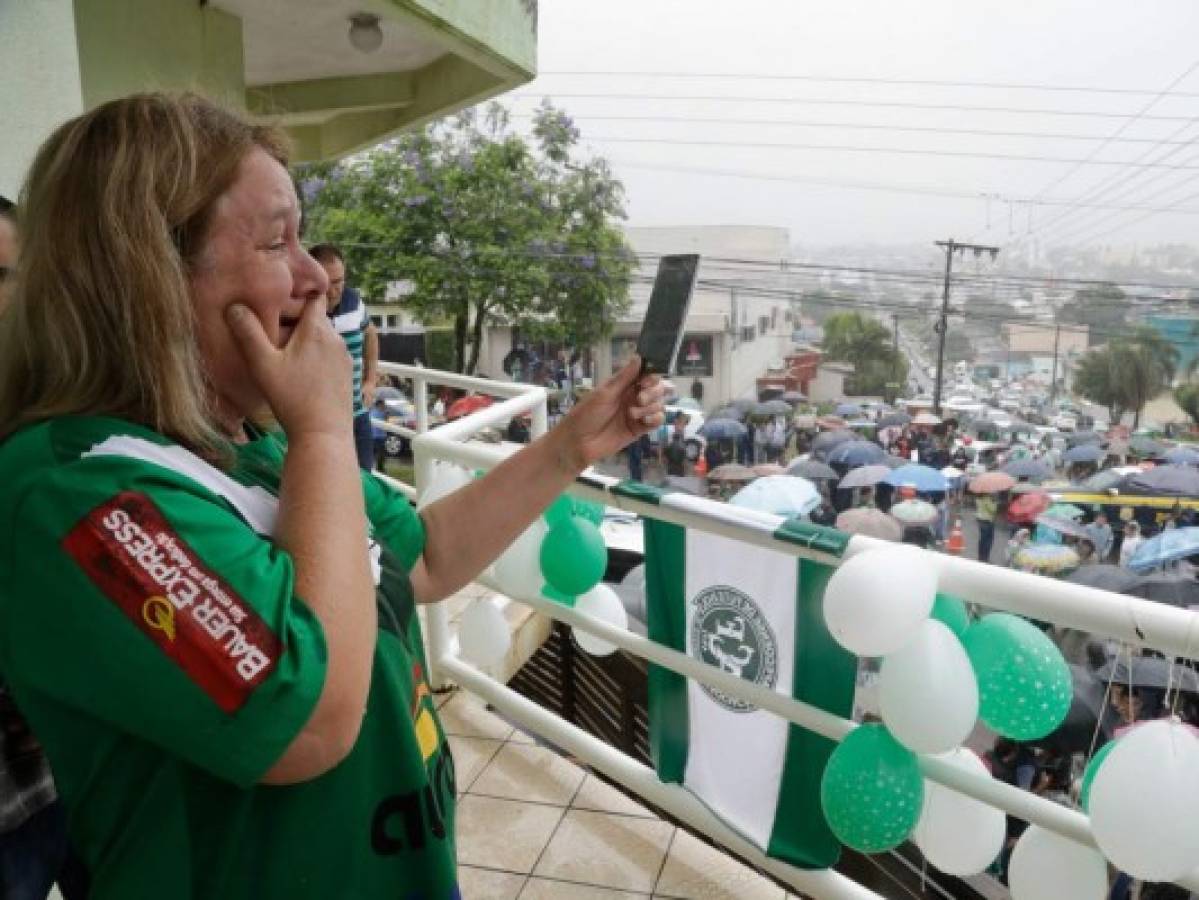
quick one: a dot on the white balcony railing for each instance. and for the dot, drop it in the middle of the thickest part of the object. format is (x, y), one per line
(1126, 619)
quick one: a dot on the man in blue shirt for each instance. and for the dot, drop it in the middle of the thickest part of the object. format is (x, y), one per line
(352, 321)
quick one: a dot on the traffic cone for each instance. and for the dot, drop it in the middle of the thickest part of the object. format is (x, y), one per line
(701, 466)
(956, 543)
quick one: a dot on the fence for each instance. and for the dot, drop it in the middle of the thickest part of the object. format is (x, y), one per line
(1173, 631)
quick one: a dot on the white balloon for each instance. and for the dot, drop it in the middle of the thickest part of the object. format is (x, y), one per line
(1047, 866)
(518, 570)
(1143, 802)
(875, 602)
(957, 834)
(483, 634)
(604, 604)
(446, 479)
(928, 695)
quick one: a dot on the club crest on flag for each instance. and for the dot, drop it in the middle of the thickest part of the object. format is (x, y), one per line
(728, 630)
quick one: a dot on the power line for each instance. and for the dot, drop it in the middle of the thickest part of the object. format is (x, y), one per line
(866, 126)
(876, 186)
(913, 82)
(850, 148)
(828, 101)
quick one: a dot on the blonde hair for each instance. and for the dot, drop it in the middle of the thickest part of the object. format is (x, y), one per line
(115, 210)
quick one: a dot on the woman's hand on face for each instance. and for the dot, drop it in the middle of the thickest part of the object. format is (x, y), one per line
(307, 382)
(621, 410)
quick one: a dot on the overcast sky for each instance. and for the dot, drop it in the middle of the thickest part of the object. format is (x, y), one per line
(1148, 46)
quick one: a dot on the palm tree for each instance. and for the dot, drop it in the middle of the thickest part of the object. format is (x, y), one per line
(1145, 364)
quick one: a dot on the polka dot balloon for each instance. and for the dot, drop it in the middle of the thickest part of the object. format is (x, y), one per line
(1024, 684)
(872, 791)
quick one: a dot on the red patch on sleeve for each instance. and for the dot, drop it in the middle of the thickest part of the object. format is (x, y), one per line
(127, 547)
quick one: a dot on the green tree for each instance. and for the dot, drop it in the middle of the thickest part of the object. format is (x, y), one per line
(480, 224)
(866, 344)
(1187, 397)
(1103, 309)
(1128, 373)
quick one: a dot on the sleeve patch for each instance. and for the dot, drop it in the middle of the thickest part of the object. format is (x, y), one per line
(131, 553)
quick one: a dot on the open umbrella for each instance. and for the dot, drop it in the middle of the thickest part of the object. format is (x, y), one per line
(1080, 438)
(1088, 713)
(991, 483)
(924, 478)
(1085, 453)
(745, 404)
(864, 476)
(1105, 480)
(467, 405)
(769, 469)
(1025, 508)
(871, 522)
(1046, 559)
(926, 418)
(728, 412)
(847, 410)
(1116, 579)
(1064, 526)
(732, 472)
(894, 420)
(813, 470)
(1171, 480)
(830, 423)
(793, 397)
(824, 442)
(722, 430)
(1172, 544)
(1032, 469)
(896, 462)
(779, 495)
(1150, 672)
(1066, 511)
(1176, 590)
(772, 408)
(804, 420)
(856, 453)
(1146, 447)
(914, 512)
(1183, 456)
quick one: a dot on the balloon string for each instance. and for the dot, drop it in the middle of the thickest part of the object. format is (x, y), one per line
(1107, 694)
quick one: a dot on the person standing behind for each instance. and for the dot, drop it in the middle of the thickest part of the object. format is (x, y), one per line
(1101, 537)
(378, 435)
(673, 453)
(1132, 540)
(985, 510)
(352, 321)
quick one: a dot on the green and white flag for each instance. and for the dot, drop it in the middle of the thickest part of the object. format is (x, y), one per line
(755, 613)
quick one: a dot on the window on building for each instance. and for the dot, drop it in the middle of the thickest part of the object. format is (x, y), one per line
(774, 318)
(377, 321)
(763, 324)
(393, 321)
(748, 333)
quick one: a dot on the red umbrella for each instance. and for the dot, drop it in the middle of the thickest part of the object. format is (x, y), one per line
(1025, 508)
(468, 405)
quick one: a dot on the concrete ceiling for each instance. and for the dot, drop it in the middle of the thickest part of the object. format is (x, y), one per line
(301, 40)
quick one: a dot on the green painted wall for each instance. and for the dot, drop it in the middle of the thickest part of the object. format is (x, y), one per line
(484, 29)
(126, 46)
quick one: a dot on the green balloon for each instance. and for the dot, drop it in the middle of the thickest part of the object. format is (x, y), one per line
(1024, 684)
(951, 612)
(573, 557)
(561, 510)
(872, 791)
(558, 596)
(1084, 796)
(592, 512)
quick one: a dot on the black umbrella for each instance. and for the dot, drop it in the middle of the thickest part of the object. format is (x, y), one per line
(1174, 590)
(1032, 469)
(895, 420)
(1116, 579)
(1150, 672)
(793, 397)
(813, 470)
(1087, 710)
(1146, 447)
(1083, 437)
(1171, 480)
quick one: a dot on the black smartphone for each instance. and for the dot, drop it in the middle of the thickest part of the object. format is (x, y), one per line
(662, 330)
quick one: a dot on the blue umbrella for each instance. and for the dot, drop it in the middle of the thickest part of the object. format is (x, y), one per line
(1172, 544)
(722, 430)
(848, 411)
(729, 412)
(1183, 456)
(924, 479)
(1084, 453)
(1172, 480)
(782, 495)
(857, 453)
(1032, 469)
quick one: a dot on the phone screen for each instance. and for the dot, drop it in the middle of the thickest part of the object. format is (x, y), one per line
(662, 330)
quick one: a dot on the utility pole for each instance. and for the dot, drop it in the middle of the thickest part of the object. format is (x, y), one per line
(1057, 335)
(895, 334)
(951, 247)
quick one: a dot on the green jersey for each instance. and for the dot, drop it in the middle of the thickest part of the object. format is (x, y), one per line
(150, 632)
